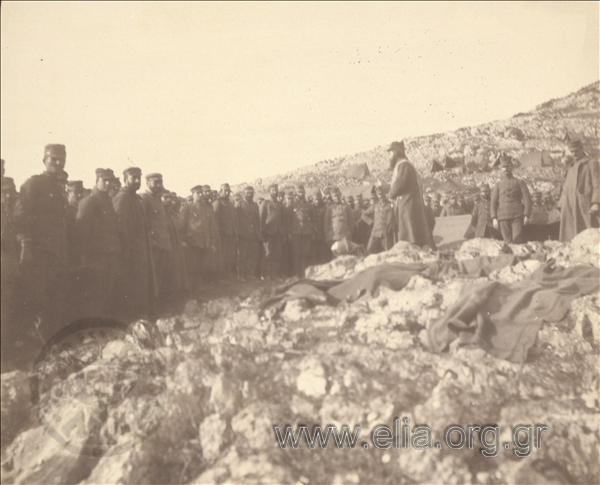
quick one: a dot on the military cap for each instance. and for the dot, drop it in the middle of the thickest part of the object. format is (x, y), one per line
(55, 150)
(104, 173)
(110, 171)
(132, 171)
(206, 187)
(154, 175)
(8, 183)
(575, 145)
(73, 185)
(396, 146)
(196, 188)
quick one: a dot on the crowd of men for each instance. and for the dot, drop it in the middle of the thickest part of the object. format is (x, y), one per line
(70, 252)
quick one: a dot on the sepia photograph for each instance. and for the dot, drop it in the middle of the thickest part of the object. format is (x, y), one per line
(305, 243)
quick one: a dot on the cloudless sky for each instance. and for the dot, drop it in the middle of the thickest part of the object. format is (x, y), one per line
(212, 92)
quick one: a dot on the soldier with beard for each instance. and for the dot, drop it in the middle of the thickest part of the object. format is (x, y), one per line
(200, 236)
(272, 234)
(248, 223)
(136, 286)
(40, 220)
(300, 231)
(158, 230)
(98, 235)
(226, 223)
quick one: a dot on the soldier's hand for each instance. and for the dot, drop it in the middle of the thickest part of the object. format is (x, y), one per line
(495, 223)
(594, 209)
(525, 220)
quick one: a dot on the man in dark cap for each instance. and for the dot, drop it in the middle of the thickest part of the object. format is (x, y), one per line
(301, 231)
(178, 270)
(40, 219)
(337, 220)
(382, 234)
(158, 230)
(411, 220)
(226, 222)
(100, 247)
(248, 223)
(481, 221)
(272, 233)
(580, 198)
(200, 236)
(510, 204)
(136, 286)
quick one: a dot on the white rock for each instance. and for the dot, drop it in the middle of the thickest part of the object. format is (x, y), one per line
(312, 379)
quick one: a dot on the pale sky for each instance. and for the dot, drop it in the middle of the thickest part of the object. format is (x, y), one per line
(212, 92)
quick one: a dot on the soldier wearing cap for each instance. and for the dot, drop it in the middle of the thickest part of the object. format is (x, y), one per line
(74, 196)
(481, 221)
(337, 220)
(200, 236)
(178, 269)
(40, 219)
(410, 218)
(100, 247)
(248, 223)
(272, 231)
(580, 198)
(510, 205)
(320, 252)
(116, 184)
(136, 285)
(225, 214)
(158, 230)
(382, 234)
(301, 231)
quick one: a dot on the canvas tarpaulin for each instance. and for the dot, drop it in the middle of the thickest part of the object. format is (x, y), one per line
(504, 319)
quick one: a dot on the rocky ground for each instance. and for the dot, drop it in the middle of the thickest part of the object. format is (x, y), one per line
(194, 398)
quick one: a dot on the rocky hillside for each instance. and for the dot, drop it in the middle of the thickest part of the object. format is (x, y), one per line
(195, 398)
(542, 128)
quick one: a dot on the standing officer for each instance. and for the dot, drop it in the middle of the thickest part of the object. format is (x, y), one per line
(40, 219)
(199, 235)
(136, 286)
(100, 246)
(248, 222)
(158, 229)
(481, 221)
(272, 233)
(301, 232)
(382, 234)
(226, 223)
(337, 220)
(510, 204)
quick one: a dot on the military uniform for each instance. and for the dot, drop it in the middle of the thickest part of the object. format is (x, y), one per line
(200, 234)
(160, 241)
(225, 214)
(40, 218)
(136, 286)
(100, 253)
(382, 234)
(510, 202)
(337, 223)
(248, 223)
(301, 230)
(481, 221)
(320, 252)
(272, 229)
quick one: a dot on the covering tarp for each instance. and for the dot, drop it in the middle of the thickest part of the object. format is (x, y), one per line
(504, 319)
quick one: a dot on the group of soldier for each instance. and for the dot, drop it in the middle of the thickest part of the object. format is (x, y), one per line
(71, 253)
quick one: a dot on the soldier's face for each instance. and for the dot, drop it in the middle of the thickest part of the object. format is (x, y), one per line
(103, 184)
(155, 186)
(207, 192)
(318, 197)
(54, 164)
(197, 196)
(74, 196)
(337, 197)
(301, 193)
(274, 192)
(249, 195)
(225, 191)
(289, 198)
(485, 193)
(133, 182)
